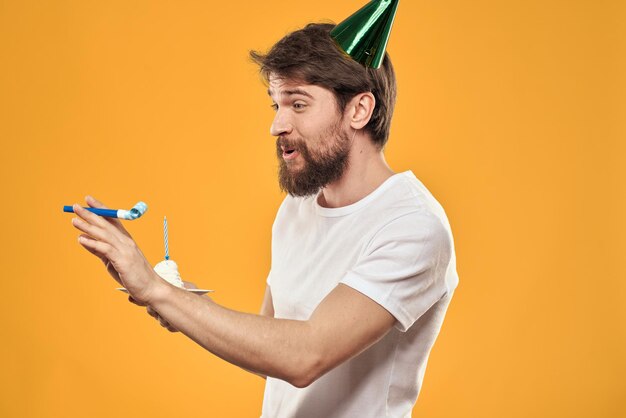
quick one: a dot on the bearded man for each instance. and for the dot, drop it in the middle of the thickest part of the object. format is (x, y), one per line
(363, 265)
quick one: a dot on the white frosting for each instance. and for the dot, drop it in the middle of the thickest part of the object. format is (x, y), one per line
(168, 270)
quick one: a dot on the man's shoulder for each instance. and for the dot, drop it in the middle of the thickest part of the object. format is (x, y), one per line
(413, 198)
(402, 199)
(405, 197)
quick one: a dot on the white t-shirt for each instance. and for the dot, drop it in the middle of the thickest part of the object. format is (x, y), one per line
(394, 246)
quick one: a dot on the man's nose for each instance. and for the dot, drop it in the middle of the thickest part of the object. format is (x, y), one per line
(281, 124)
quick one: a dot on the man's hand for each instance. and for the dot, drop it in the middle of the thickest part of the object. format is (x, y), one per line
(94, 203)
(108, 240)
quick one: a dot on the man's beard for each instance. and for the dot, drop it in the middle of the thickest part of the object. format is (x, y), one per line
(320, 167)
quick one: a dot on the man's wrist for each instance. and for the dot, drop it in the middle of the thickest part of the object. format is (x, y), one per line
(159, 290)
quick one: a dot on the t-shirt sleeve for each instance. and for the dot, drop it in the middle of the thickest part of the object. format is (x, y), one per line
(403, 267)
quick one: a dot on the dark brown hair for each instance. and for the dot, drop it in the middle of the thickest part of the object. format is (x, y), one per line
(310, 55)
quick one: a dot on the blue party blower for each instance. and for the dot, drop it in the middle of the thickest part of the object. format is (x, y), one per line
(139, 209)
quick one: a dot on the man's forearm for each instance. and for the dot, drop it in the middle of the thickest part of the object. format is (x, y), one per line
(262, 345)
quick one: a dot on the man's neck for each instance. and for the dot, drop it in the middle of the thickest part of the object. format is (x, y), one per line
(367, 169)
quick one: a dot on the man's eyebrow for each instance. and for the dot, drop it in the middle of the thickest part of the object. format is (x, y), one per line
(292, 92)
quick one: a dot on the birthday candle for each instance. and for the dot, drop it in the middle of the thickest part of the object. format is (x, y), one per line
(167, 251)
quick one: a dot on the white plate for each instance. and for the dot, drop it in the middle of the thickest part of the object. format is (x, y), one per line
(196, 291)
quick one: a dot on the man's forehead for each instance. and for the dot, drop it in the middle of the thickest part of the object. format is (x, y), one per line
(287, 87)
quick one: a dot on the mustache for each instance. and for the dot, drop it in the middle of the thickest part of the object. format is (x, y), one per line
(294, 143)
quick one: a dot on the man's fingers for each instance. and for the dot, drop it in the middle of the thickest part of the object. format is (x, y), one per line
(162, 321)
(92, 231)
(167, 325)
(103, 257)
(92, 251)
(93, 224)
(95, 203)
(151, 312)
(132, 300)
(98, 248)
(90, 217)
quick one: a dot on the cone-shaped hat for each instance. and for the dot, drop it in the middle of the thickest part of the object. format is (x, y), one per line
(364, 35)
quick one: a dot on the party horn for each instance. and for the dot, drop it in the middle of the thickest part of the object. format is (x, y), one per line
(139, 209)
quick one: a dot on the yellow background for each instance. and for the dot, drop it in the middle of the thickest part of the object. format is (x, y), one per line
(511, 112)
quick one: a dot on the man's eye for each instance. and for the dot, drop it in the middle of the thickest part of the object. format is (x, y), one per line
(274, 106)
(299, 106)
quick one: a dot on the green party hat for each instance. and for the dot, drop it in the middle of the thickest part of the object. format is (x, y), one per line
(364, 35)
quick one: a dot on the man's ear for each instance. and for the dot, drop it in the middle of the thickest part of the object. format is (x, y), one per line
(361, 108)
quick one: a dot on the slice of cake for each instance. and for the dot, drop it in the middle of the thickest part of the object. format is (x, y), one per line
(168, 270)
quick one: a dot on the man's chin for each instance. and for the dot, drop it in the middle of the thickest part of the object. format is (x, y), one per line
(296, 187)
(294, 167)
(300, 193)
(303, 177)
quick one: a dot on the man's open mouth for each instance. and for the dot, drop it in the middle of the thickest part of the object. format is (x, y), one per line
(287, 150)
(289, 153)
